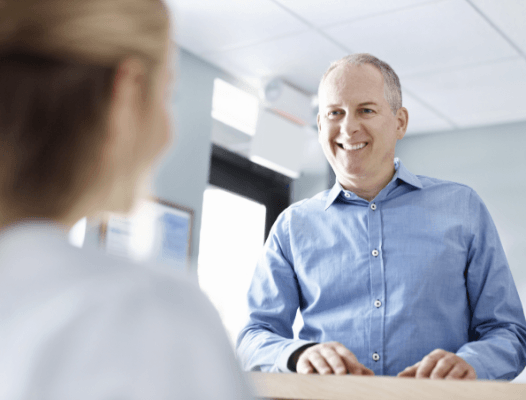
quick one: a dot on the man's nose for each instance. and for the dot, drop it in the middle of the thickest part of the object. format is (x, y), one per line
(349, 125)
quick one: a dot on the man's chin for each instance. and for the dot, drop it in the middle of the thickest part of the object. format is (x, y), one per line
(351, 172)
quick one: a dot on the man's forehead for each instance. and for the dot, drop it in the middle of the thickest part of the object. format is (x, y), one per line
(349, 79)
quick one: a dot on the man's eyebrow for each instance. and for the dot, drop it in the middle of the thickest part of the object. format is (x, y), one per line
(367, 103)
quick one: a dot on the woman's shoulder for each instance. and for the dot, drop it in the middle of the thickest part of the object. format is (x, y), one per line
(96, 320)
(38, 265)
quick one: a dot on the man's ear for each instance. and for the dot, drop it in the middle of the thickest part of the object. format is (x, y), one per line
(402, 119)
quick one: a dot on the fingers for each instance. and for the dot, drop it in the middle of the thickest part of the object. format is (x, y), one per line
(471, 375)
(321, 364)
(339, 363)
(335, 358)
(440, 364)
(366, 371)
(409, 372)
(311, 361)
(304, 366)
(462, 370)
(457, 372)
(352, 365)
(428, 363)
(444, 365)
(330, 358)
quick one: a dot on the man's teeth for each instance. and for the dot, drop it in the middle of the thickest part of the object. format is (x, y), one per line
(354, 147)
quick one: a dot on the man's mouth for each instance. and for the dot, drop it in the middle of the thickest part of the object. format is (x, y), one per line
(356, 146)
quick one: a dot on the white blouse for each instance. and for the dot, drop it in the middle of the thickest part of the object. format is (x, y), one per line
(78, 324)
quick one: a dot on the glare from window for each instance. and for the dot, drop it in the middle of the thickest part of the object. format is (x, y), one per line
(232, 234)
(78, 233)
(235, 107)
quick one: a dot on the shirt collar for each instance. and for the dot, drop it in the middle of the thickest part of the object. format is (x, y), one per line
(333, 194)
(402, 173)
(34, 228)
(406, 176)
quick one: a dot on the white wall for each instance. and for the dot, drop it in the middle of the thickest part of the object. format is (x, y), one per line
(315, 175)
(183, 175)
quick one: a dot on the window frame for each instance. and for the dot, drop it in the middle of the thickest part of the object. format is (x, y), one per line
(237, 174)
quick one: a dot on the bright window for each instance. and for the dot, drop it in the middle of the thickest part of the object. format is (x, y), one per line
(232, 234)
(235, 107)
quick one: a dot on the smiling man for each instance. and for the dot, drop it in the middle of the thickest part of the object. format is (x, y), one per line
(394, 274)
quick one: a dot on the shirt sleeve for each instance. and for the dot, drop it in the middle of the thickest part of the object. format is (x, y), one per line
(497, 333)
(266, 342)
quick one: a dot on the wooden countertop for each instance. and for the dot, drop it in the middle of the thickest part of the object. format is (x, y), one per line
(331, 387)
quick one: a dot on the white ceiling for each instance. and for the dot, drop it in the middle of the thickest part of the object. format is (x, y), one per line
(461, 62)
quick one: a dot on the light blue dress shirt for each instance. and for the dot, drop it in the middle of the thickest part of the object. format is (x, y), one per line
(420, 267)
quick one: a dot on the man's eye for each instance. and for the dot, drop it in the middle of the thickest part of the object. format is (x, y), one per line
(333, 113)
(367, 111)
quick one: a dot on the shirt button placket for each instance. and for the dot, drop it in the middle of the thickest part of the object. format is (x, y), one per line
(377, 286)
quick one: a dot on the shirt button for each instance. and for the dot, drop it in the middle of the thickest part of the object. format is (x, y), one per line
(347, 195)
(376, 357)
(373, 206)
(377, 303)
(375, 253)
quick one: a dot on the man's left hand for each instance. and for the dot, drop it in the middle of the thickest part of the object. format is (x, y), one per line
(440, 364)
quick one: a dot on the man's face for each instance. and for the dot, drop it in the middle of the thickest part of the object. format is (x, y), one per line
(357, 129)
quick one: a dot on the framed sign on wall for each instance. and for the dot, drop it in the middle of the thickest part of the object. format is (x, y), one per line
(158, 231)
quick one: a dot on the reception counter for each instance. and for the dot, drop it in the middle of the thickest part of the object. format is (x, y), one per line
(331, 387)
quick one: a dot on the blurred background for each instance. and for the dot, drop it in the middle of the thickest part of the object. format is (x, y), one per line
(245, 110)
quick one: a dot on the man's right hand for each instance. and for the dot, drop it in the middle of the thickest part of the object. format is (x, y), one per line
(330, 358)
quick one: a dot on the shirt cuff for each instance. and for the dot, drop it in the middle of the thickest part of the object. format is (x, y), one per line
(472, 360)
(283, 358)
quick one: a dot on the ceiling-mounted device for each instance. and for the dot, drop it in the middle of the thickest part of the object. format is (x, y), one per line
(287, 101)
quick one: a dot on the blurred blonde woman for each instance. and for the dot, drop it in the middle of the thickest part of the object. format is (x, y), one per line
(83, 118)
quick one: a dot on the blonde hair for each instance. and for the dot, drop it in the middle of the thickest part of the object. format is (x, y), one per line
(392, 88)
(99, 32)
(58, 59)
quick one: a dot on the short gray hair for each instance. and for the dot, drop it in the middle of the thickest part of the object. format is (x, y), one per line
(392, 88)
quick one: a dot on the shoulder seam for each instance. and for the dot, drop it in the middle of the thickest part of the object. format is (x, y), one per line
(444, 181)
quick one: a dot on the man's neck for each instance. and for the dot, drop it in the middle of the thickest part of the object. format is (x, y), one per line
(367, 187)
